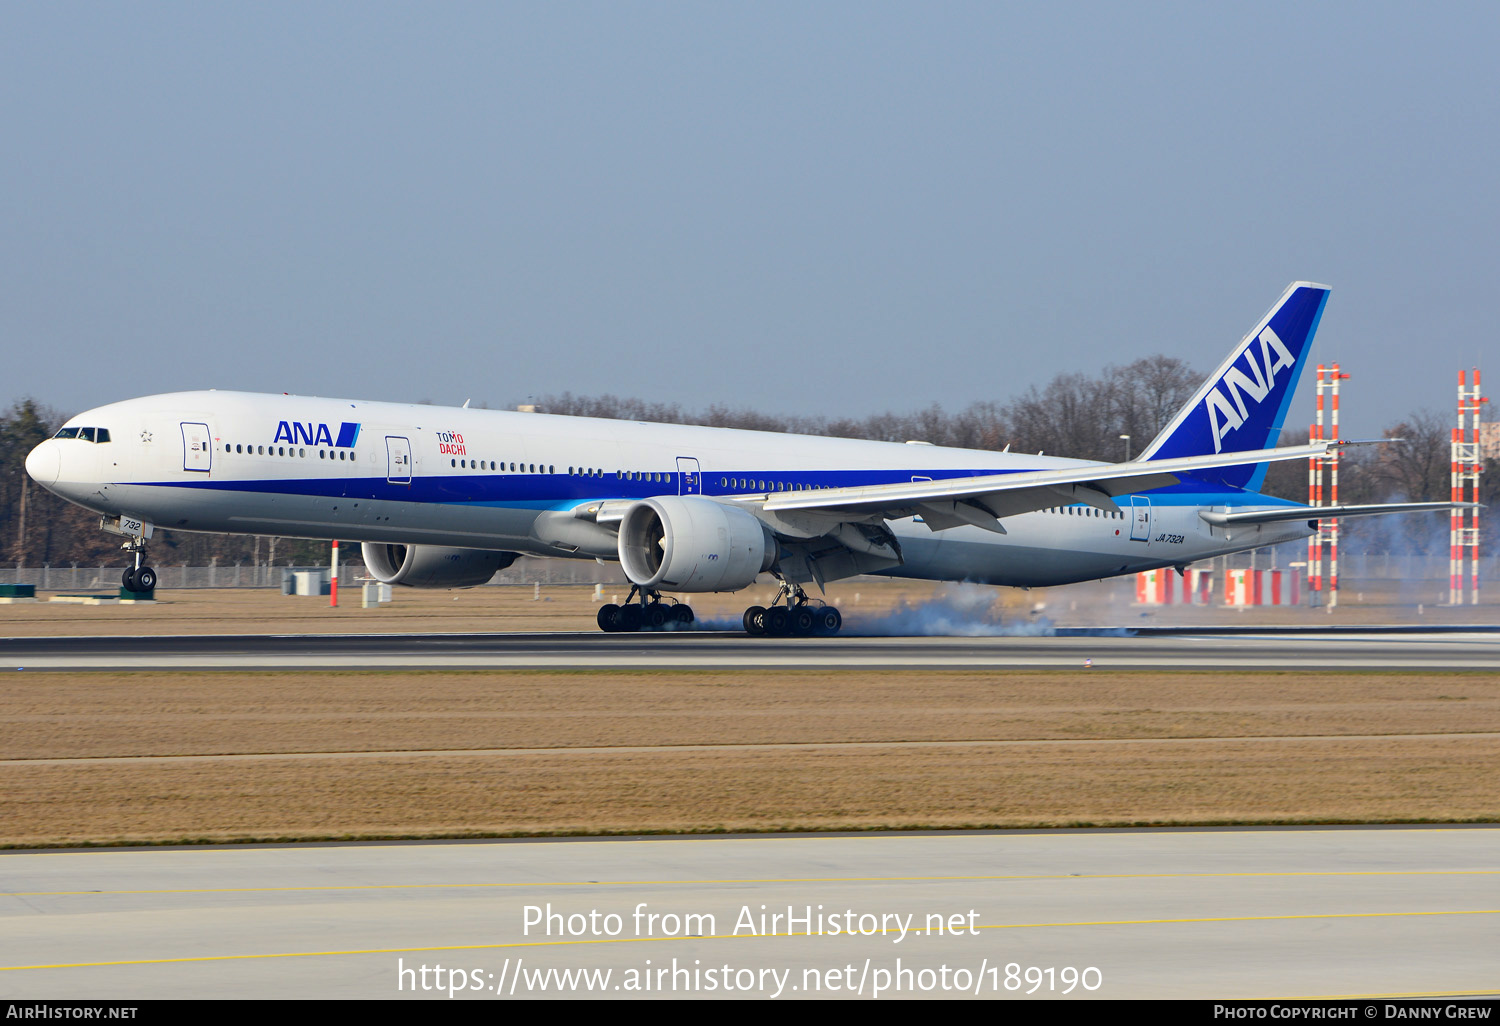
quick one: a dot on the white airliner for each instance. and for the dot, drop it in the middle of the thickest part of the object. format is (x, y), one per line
(443, 498)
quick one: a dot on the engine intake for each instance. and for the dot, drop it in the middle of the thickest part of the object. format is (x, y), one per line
(688, 543)
(433, 566)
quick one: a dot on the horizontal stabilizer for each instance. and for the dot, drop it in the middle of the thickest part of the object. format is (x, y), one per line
(1285, 514)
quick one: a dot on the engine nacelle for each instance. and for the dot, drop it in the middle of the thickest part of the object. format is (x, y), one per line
(433, 566)
(689, 543)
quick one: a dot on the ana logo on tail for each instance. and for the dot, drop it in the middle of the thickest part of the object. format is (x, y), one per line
(1227, 414)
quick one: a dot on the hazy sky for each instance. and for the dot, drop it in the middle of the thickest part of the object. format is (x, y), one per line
(812, 207)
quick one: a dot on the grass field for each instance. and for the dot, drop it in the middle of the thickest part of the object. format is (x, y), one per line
(168, 757)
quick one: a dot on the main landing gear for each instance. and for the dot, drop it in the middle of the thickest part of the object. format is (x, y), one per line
(138, 578)
(791, 613)
(649, 614)
(798, 616)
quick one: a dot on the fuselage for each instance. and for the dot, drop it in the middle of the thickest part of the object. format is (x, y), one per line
(296, 466)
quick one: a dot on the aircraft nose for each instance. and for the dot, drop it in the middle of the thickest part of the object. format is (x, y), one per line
(44, 464)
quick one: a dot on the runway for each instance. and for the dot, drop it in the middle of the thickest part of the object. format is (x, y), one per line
(1102, 649)
(1228, 913)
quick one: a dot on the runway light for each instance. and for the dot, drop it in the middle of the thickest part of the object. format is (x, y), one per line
(1088, 664)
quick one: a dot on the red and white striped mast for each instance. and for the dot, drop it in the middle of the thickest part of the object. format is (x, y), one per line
(1327, 535)
(1332, 525)
(1315, 498)
(1478, 465)
(1465, 469)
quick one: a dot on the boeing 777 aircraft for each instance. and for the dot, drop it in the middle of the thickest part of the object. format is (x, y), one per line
(443, 498)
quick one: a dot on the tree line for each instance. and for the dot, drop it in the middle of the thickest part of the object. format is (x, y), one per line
(1075, 414)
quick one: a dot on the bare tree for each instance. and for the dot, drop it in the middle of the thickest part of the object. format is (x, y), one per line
(1417, 467)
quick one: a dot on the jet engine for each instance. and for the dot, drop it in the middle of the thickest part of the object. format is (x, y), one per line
(689, 543)
(433, 566)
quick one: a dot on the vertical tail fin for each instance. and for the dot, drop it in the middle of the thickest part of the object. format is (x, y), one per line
(1243, 404)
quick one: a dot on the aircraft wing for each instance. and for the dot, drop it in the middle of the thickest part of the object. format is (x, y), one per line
(1274, 516)
(985, 500)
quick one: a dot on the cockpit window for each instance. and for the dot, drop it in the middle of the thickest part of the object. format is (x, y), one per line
(88, 434)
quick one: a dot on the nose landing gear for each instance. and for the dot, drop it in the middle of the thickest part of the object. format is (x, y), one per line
(138, 578)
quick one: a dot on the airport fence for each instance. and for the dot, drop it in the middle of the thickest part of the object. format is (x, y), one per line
(1353, 567)
(73, 577)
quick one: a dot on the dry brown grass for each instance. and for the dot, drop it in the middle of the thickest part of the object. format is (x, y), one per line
(90, 715)
(572, 608)
(1097, 780)
(1235, 781)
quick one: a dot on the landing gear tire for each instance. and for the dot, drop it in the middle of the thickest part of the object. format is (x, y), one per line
(801, 620)
(630, 618)
(683, 614)
(755, 621)
(828, 620)
(654, 616)
(609, 618)
(777, 621)
(139, 579)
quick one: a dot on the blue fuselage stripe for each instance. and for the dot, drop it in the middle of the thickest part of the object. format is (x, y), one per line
(543, 491)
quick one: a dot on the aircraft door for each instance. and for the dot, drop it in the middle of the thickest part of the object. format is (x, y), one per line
(197, 448)
(1140, 519)
(689, 479)
(398, 459)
